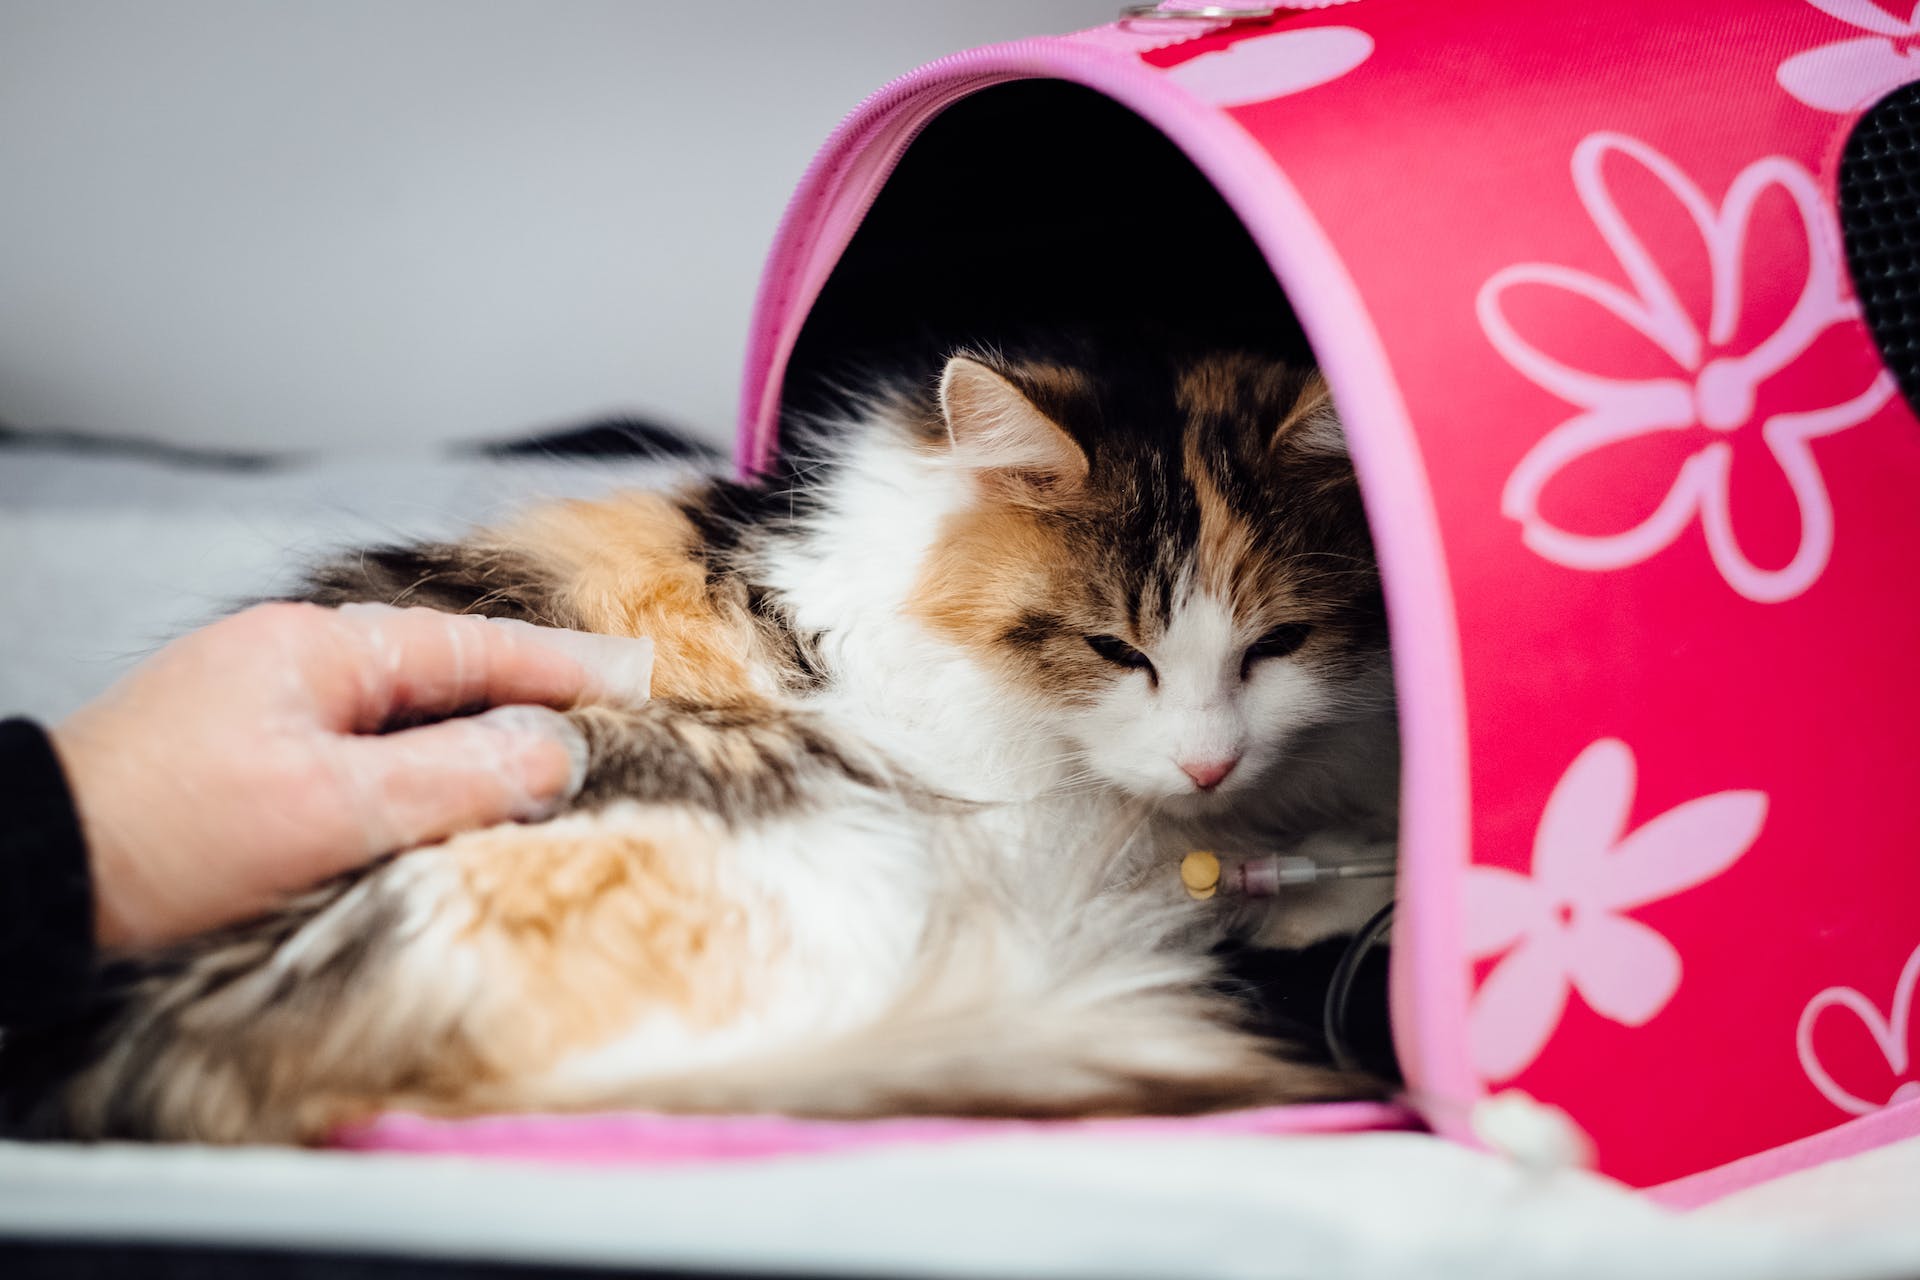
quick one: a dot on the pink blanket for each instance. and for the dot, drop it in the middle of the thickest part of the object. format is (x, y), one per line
(645, 1138)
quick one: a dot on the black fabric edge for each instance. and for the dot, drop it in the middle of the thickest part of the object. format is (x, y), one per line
(616, 437)
(54, 1259)
(1878, 206)
(46, 905)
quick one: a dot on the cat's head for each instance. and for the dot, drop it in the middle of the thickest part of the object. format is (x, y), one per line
(1165, 557)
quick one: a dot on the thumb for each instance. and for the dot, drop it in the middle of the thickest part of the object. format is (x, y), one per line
(510, 764)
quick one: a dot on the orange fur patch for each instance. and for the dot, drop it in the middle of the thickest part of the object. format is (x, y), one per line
(630, 565)
(996, 564)
(588, 926)
(989, 563)
(1227, 558)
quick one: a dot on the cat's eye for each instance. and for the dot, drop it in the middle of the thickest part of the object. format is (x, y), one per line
(1121, 654)
(1277, 643)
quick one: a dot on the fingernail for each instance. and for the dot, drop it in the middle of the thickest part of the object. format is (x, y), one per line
(522, 722)
(621, 666)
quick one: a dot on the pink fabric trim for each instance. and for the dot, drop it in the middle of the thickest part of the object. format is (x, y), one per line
(827, 207)
(645, 1138)
(1850, 1139)
(1430, 978)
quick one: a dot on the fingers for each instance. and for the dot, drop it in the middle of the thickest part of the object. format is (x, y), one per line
(424, 662)
(621, 668)
(519, 763)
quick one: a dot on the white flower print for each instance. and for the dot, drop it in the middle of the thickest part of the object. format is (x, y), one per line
(1564, 928)
(1712, 384)
(1261, 68)
(1848, 75)
(1891, 1034)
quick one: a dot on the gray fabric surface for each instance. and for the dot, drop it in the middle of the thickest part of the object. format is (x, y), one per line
(104, 557)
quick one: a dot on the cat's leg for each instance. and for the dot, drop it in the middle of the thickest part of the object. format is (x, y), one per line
(630, 564)
(744, 761)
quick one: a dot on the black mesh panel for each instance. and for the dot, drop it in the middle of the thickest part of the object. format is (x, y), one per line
(1880, 219)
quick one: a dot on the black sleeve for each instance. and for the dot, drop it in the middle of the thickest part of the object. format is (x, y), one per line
(46, 889)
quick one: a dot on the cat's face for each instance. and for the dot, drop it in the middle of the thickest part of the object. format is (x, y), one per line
(1167, 561)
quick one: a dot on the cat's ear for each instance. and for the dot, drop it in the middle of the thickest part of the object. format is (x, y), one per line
(993, 428)
(1313, 424)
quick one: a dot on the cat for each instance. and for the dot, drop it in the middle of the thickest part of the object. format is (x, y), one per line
(938, 707)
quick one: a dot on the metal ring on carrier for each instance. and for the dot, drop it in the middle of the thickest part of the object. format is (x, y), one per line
(1194, 12)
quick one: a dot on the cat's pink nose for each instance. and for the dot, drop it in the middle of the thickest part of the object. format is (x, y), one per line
(1208, 774)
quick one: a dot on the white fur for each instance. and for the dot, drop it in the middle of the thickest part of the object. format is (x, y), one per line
(849, 889)
(1199, 709)
(922, 700)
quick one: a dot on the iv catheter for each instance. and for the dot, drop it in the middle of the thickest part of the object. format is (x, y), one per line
(1204, 874)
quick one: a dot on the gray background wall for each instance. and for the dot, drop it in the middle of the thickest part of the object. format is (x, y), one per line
(359, 224)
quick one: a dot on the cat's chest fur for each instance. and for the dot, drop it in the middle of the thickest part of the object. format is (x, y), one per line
(850, 580)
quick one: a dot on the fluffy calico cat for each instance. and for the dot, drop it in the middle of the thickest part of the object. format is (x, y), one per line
(936, 712)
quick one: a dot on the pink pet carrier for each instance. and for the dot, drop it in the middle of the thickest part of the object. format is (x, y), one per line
(1603, 295)
(1646, 492)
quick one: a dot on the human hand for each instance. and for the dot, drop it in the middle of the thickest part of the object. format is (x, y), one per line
(245, 761)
